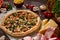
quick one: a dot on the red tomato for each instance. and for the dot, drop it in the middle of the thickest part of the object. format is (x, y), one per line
(23, 13)
(27, 5)
(31, 7)
(47, 14)
(1, 2)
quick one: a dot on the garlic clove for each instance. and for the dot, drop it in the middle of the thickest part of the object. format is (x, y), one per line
(43, 7)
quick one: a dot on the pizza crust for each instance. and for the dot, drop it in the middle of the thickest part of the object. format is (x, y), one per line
(19, 34)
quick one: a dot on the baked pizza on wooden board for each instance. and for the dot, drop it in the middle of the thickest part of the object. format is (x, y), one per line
(20, 23)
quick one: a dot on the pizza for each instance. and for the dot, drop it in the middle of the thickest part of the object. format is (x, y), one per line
(20, 23)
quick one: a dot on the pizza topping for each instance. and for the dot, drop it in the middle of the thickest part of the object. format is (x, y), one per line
(20, 21)
(24, 29)
(46, 36)
(17, 29)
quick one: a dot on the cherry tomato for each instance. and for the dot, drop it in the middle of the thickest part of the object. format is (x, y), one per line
(1, 2)
(31, 7)
(47, 14)
(27, 5)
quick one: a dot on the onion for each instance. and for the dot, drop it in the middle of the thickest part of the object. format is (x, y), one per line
(43, 7)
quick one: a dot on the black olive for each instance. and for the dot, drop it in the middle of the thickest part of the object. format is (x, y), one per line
(6, 27)
(33, 23)
(11, 28)
(17, 19)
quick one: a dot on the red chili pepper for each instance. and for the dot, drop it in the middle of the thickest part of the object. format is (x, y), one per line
(1, 2)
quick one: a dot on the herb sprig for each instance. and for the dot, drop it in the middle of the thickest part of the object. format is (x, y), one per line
(56, 8)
